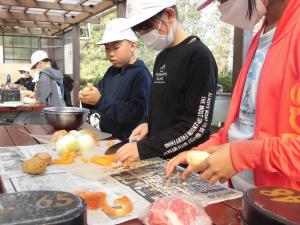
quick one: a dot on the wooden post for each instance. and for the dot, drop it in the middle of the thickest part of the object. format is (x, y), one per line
(121, 9)
(242, 41)
(237, 54)
(76, 62)
(50, 48)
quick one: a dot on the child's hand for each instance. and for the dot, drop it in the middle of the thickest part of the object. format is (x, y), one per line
(140, 131)
(90, 95)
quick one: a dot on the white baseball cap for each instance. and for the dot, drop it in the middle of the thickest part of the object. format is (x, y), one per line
(24, 68)
(38, 56)
(114, 31)
(138, 11)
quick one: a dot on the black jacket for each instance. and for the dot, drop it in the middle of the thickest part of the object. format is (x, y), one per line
(68, 87)
(181, 100)
(124, 99)
(26, 82)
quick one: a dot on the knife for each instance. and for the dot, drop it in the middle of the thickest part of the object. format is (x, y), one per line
(113, 149)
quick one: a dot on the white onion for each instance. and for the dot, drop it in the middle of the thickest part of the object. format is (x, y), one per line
(194, 158)
(86, 142)
(75, 133)
(66, 144)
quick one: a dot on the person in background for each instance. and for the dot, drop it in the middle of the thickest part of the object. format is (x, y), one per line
(121, 97)
(68, 85)
(26, 81)
(259, 144)
(184, 84)
(49, 85)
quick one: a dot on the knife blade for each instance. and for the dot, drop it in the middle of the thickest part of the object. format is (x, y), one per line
(113, 149)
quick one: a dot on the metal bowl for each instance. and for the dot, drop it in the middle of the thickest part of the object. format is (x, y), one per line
(65, 118)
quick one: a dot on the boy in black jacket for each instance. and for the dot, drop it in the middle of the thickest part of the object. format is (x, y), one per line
(184, 84)
(121, 98)
(26, 80)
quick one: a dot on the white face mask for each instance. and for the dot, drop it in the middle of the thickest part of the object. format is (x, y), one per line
(157, 41)
(36, 76)
(235, 12)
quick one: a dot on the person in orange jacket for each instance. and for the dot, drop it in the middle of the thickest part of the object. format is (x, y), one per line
(260, 142)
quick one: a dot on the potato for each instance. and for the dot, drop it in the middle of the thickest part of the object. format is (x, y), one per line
(194, 158)
(87, 89)
(34, 166)
(58, 135)
(45, 156)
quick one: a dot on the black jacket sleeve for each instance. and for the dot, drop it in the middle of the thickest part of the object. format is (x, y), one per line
(194, 125)
(133, 109)
(30, 86)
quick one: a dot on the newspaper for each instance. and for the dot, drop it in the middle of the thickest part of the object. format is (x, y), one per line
(141, 185)
(150, 182)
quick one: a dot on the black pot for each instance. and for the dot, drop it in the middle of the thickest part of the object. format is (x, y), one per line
(43, 208)
(271, 206)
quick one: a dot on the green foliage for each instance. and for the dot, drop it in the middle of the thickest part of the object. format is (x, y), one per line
(93, 60)
(205, 24)
(225, 79)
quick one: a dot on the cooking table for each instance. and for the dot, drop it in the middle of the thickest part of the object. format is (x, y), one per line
(223, 213)
(9, 114)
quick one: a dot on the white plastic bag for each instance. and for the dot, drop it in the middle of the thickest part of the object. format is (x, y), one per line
(176, 210)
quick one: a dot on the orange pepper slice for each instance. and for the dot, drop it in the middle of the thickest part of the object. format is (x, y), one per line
(94, 200)
(67, 158)
(102, 160)
(122, 207)
(84, 159)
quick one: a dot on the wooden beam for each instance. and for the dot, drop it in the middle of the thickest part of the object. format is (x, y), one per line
(100, 7)
(95, 20)
(82, 2)
(106, 12)
(46, 11)
(25, 31)
(121, 9)
(47, 5)
(24, 24)
(76, 63)
(37, 17)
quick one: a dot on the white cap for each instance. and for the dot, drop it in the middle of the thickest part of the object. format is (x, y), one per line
(115, 32)
(38, 56)
(138, 11)
(25, 68)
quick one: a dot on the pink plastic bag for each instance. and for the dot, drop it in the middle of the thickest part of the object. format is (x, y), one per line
(176, 210)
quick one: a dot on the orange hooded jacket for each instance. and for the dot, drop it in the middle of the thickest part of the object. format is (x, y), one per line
(274, 151)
